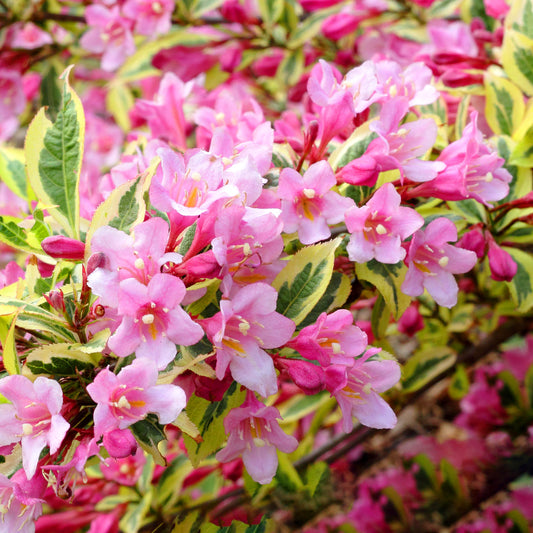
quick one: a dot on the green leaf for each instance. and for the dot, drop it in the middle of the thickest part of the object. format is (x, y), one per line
(520, 522)
(34, 318)
(336, 294)
(109, 503)
(504, 105)
(200, 7)
(12, 171)
(517, 59)
(354, 147)
(50, 92)
(149, 434)
(316, 476)
(425, 365)
(528, 382)
(136, 513)
(271, 11)
(119, 101)
(286, 476)
(523, 151)
(426, 475)
(471, 210)
(451, 485)
(510, 394)
(521, 286)
(520, 17)
(310, 27)
(170, 483)
(300, 406)
(380, 318)
(291, 68)
(54, 152)
(9, 354)
(459, 384)
(462, 116)
(16, 237)
(209, 418)
(304, 280)
(60, 360)
(124, 207)
(388, 280)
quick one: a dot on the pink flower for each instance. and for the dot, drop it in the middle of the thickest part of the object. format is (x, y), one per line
(473, 170)
(245, 326)
(28, 36)
(153, 321)
(32, 417)
(308, 205)
(432, 262)
(109, 34)
(502, 266)
(151, 18)
(378, 228)
(125, 470)
(357, 390)
(21, 502)
(121, 256)
(332, 339)
(127, 397)
(255, 434)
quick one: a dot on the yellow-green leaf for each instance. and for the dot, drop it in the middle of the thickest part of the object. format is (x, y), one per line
(521, 286)
(388, 280)
(9, 355)
(425, 365)
(13, 172)
(54, 153)
(124, 207)
(304, 280)
(119, 101)
(504, 105)
(517, 59)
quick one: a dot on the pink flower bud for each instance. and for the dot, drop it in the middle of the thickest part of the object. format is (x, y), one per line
(411, 321)
(502, 266)
(309, 377)
(120, 443)
(60, 247)
(473, 240)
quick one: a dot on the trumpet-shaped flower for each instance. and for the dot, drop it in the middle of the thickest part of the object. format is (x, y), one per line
(308, 205)
(432, 262)
(255, 434)
(357, 391)
(127, 397)
(33, 418)
(153, 321)
(378, 228)
(245, 326)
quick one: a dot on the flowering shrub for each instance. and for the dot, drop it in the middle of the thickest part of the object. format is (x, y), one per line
(266, 266)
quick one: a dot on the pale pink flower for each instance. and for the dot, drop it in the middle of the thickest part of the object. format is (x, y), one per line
(127, 397)
(378, 228)
(120, 256)
(433, 262)
(356, 390)
(12, 99)
(308, 205)
(33, 417)
(28, 36)
(153, 321)
(109, 34)
(254, 434)
(124, 470)
(245, 326)
(151, 17)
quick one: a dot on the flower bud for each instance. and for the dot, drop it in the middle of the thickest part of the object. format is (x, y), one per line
(60, 247)
(502, 266)
(309, 377)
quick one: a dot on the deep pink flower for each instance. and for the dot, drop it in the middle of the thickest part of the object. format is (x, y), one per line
(255, 434)
(153, 321)
(21, 502)
(502, 266)
(378, 228)
(127, 397)
(308, 205)
(332, 339)
(33, 417)
(245, 326)
(432, 262)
